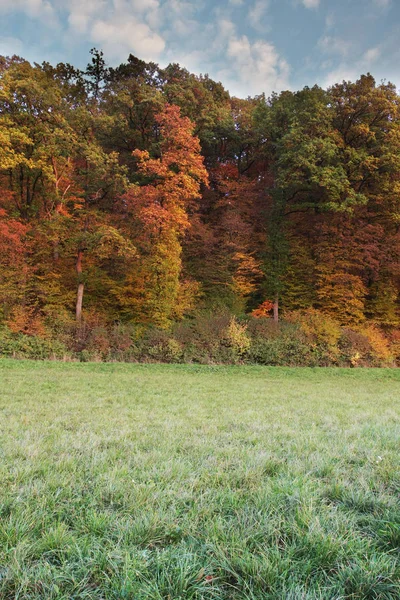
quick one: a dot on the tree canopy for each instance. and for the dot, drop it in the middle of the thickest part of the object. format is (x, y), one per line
(141, 194)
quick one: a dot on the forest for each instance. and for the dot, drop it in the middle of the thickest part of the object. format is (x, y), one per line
(145, 214)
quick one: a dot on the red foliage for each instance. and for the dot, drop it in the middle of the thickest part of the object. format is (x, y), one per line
(263, 310)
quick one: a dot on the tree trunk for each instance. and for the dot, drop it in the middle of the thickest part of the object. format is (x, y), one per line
(81, 287)
(276, 309)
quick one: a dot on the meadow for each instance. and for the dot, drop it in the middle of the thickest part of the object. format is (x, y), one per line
(198, 482)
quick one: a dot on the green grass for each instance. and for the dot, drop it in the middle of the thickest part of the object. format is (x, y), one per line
(185, 482)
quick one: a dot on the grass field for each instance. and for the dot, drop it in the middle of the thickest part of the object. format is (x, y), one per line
(174, 482)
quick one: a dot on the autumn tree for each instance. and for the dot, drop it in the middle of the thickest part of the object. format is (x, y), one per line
(139, 193)
(171, 185)
(13, 265)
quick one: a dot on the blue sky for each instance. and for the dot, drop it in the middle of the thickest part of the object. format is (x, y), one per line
(252, 46)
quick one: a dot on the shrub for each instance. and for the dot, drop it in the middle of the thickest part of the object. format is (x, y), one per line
(305, 338)
(380, 352)
(169, 351)
(204, 338)
(264, 328)
(321, 332)
(123, 343)
(32, 347)
(394, 341)
(60, 325)
(280, 352)
(236, 339)
(285, 347)
(122, 337)
(98, 343)
(159, 346)
(364, 347)
(90, 356)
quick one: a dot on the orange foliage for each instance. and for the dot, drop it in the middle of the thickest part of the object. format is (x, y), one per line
(379, 344)
(25, 320)
(162, 208)
(11, 235)
(263, 310)
(176, 176)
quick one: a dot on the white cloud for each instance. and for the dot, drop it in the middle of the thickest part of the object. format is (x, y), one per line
(257, 12)
(181, 7)
(144, 5)
(329, 21)
(350, 71)
(383, 3)
(42, 9)
(334, 45)
(163, 31)
(257, 66)
(226, 28)
(311, 3)
(31, 7)
(176, 21)
(82, 13)
(122, 35)
(371, 56)
(119, 27)
(10, 46)
(245, 66)
(341, 73)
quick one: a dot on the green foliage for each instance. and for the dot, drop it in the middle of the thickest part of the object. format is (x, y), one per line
(206, 338)
(159, 346)
(299, 283)
(382, 306)
(304, 338)
(32, 347)
(321, 333)
(142, 195)
(284, 347)
(282, 351)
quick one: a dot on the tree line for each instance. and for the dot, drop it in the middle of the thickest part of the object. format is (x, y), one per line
(139, 194)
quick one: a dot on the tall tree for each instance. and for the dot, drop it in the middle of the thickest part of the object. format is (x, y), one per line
(171, 185)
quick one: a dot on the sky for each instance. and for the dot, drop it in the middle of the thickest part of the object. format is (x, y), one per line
(251, 46)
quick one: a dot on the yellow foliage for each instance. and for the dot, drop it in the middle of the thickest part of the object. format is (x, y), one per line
(237, 337)
(247, 273)
(318, 327)
(379, 344)
(342, 296)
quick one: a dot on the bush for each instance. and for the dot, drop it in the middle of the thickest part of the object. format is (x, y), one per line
(305, 338)
(394, 341)
(380, 352)
(320, 332)
(29, 346)
(264, 328)
(284, 348)
(98, 343)
(158, 345)
(235, 338)
(364, 347)
(204, 338)
(123, 340)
